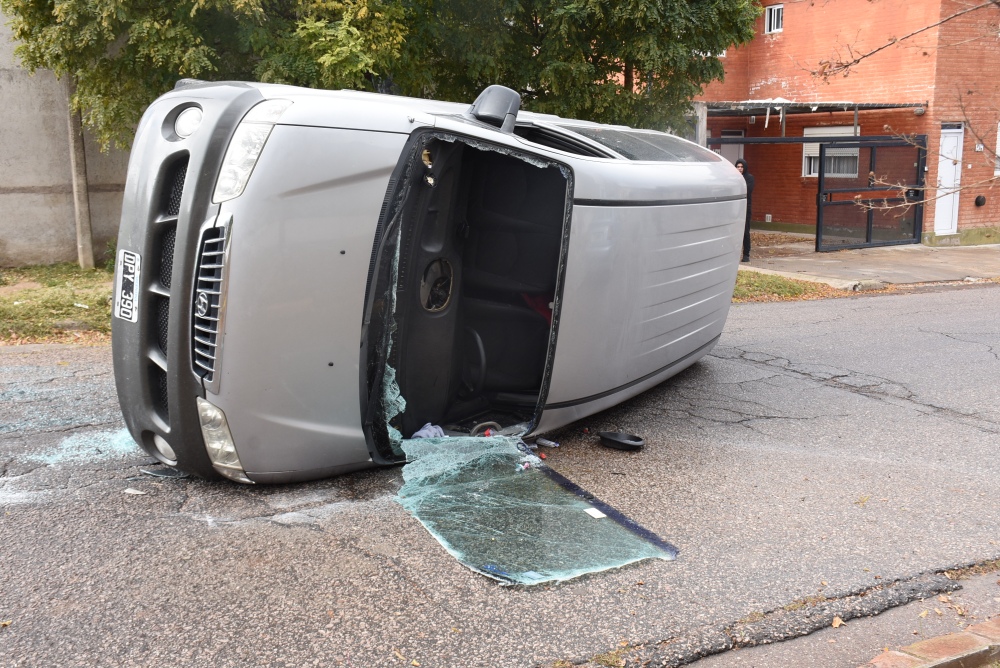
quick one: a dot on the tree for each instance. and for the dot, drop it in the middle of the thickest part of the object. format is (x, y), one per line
(636, 62)
(123, 54)
(333, 45)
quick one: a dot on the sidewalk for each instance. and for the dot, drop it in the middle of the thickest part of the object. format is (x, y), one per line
(959, 629)
(871, 268)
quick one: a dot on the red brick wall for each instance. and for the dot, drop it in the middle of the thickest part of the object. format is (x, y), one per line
(780, 189)
(778, 65)
(954, 67)
(968, 91)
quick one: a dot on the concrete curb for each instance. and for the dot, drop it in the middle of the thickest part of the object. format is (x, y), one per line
(977, 646)
(782, 624)
(852, 285)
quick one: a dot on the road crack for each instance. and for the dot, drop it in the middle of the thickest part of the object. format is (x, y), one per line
(867, 385)
(990, 349)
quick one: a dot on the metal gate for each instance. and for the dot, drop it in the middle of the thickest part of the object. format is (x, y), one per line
(871, 193)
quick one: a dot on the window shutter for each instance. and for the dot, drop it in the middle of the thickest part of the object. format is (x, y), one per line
(811, 150)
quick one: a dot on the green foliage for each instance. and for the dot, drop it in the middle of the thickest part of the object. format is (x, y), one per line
(635, 62)
(335, 45)
(122, 54)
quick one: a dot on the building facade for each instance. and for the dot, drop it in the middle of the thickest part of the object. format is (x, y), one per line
(942, 81)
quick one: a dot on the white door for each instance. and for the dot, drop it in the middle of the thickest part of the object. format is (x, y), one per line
(949, 177)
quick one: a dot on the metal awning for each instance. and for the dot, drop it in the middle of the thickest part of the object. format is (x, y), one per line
(781, 105)
(783, 108)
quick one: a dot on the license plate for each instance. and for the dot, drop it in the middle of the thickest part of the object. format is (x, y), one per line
(126, 305)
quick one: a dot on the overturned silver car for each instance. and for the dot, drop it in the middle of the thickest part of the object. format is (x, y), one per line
(303, 275)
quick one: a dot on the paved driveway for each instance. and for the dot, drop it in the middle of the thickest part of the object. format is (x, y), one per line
(829, 458)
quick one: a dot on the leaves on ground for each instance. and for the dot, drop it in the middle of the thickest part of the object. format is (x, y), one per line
(754, 286)
(764, 239)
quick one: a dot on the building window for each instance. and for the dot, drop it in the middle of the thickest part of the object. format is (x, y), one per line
(774, 18)
(841, 163)
(837, 166)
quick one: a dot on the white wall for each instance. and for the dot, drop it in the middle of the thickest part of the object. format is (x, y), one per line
(36, 193)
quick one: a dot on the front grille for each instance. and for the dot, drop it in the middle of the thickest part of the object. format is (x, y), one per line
(158, 389)
(175, 178)
(161, 310)
(162, 266)
(168, 239)
(207, 298)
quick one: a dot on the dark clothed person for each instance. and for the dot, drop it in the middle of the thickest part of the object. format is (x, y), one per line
(744, 168)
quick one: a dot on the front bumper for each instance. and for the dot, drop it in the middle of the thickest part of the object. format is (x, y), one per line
(166, 210)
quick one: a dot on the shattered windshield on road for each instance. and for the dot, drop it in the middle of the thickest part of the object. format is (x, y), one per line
(504, 514)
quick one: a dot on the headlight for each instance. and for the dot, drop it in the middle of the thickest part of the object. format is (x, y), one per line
(245, 147)
(219, 442)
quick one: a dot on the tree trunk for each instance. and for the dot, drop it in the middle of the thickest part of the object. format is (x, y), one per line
(81, 190)
(629, 79)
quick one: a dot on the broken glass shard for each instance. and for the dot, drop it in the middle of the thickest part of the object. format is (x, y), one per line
(501, 512)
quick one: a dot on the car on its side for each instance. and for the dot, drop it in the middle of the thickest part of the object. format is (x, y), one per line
(304, 276)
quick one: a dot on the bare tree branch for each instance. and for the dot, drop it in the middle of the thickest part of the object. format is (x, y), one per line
(928, 193)
(828, 68)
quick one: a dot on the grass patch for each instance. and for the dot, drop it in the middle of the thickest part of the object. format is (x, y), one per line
(754, 286)
(57, 303)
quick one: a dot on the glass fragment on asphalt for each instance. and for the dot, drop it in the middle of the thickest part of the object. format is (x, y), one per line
(500, 511)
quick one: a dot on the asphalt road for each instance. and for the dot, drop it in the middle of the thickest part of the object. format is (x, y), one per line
(828, 458)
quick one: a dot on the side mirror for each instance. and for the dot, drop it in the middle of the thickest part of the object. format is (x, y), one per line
(497, 106)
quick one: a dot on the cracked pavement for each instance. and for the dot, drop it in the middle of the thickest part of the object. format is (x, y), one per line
(827, 458)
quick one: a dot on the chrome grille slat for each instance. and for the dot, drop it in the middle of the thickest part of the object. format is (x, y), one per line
(207, 304)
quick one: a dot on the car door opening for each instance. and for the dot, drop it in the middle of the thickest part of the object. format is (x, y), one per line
(465, 288)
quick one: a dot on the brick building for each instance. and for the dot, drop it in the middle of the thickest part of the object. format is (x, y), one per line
(943, 82)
